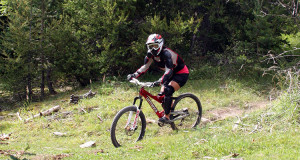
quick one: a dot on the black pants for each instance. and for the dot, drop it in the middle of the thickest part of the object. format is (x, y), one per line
(181, 79)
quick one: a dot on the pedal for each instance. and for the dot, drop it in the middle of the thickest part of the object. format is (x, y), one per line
(185, 110)
(160, 124)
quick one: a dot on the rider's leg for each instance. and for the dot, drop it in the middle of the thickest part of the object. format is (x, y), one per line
(169, 90)
(175, 84)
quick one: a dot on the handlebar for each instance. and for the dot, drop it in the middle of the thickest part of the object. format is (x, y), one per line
(143, 84)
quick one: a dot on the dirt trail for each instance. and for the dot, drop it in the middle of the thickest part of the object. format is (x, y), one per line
(232, 111)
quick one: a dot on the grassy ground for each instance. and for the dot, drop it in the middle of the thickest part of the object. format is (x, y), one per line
(261, 131)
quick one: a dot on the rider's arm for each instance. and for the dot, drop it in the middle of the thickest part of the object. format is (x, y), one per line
(147, 62)
(169, 68)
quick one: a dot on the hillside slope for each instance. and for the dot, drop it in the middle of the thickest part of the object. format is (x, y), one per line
(239, 121)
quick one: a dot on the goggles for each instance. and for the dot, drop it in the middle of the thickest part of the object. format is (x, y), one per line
(154, 46)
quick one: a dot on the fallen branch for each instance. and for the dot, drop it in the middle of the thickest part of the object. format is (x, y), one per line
(81, 109)
(74, 99)
(101, 120)
(50, 111)
(18, 115)
(45, 113)
(5, 137)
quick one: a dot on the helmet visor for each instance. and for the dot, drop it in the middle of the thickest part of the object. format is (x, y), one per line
(154, 46)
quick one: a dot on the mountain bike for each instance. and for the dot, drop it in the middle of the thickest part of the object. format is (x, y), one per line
(129, 124)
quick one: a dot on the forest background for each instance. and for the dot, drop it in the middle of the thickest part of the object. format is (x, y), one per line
(243, 58)
(47, 44)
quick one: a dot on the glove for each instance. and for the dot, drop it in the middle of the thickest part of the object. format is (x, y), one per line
(130, 76)
(155, 84)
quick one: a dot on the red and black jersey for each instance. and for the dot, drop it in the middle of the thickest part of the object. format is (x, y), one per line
(169, 60)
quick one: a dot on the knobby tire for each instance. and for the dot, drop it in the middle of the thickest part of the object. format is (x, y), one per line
(142, 121)
(195, 111)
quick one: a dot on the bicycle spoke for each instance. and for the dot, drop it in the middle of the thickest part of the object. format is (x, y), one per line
(187, 113)
(127, 133)
(123, 130)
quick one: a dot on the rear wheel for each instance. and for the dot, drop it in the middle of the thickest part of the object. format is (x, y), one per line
(188, 106)
(121, 130)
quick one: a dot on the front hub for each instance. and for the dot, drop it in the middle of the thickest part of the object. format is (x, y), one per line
(130, 131)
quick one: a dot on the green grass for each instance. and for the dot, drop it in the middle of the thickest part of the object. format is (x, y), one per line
(269, 133)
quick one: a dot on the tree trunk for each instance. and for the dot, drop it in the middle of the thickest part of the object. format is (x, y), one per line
(29, 88)
(42, 50)
(43, 84)
(82, 81)
(50, 83)
(192, 44)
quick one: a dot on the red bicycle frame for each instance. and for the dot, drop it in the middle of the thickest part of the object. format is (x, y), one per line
(147, 96)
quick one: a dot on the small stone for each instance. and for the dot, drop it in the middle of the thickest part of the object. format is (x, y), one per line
(88, 144)
(59, 134)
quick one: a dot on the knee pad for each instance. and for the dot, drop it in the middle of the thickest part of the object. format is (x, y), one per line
(169, 90)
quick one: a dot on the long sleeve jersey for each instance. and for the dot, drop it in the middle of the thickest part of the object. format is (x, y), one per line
(167, 59)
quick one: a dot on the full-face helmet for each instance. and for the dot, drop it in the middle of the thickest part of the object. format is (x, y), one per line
(155, 44)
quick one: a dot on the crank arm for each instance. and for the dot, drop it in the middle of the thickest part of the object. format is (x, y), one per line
(178, 112)
(180, 117)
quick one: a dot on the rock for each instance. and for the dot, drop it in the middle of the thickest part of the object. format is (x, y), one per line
(150, 121)
(2, 117)
(59, 134)
(204, 121)
(4, 137)
(88, 144)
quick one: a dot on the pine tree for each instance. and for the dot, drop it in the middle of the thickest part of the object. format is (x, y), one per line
(25, 46)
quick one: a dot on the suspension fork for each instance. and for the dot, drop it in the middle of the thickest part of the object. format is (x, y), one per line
(141, 101)
(136, 115)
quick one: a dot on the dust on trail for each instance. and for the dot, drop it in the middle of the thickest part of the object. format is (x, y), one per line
(218, 114)
(232, 111)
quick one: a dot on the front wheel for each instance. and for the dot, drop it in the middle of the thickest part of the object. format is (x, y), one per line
(122, 131)
(188, 111)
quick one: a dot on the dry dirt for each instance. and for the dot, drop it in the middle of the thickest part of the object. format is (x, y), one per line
(232, 111)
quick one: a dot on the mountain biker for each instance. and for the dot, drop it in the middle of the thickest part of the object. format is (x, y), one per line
(175, 75)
